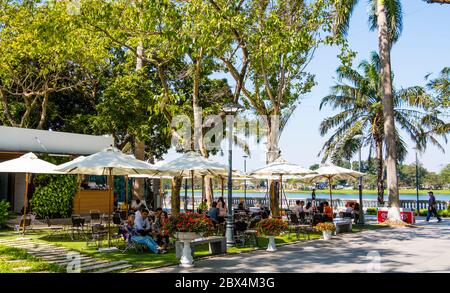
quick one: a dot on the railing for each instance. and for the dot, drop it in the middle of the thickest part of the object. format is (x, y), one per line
(367, 203)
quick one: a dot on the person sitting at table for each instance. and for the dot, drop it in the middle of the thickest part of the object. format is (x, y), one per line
(213, 212)
(314, 206)
(142, 223)
(320, 209)
(222, 210)
(348, 210)
(162, 236)
(356, 212)
(328, 211)
(308, 207)
(130, 232)
(136, 205)
(298, 208)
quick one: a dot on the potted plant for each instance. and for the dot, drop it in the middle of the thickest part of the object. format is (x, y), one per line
(187, 227)
(327, 229)
(271, 227)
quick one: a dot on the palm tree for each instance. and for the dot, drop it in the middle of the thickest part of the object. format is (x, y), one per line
(361, 113)
(386, 17)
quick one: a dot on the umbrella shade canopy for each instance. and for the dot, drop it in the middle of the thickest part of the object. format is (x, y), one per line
(192, 161)
(280, 167)
(77, 159)
(332, 172)
(109, 161)
(28, 163)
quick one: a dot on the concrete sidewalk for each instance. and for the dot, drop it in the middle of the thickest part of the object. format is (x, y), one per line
(422, 249)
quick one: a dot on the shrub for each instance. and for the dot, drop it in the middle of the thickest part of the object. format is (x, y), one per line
(5, 214)
(371, 211)
(271, 227)
(53, 196)
(189, 222)
(325, 227)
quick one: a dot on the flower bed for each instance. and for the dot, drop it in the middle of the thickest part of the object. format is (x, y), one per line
(325, 227)
(271, 227)
(189, 222)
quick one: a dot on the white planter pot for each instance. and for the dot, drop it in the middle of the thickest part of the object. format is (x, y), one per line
(326, 235)
(186, 260)
(271, 246)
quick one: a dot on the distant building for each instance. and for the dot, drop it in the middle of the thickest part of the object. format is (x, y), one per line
(15, 142)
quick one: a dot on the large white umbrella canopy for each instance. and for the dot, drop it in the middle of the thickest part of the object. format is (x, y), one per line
(192, 161)
(193, 165)
(329, 172)
(280, 167)
(28, 163)
(109, 161)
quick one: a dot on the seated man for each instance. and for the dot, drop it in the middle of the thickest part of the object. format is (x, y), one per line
(130, 233)
(298, 208)
(141, 222)
(213, 212)
(328, 211)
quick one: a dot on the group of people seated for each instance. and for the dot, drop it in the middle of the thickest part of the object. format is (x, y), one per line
(140, 229)
(352, 210)
(323, 211)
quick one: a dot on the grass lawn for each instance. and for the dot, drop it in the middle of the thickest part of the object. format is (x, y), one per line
(16, 260)
(150, 260)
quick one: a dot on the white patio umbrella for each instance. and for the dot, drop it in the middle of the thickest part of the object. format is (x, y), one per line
(330, 172)
(28, 164)
(192, 164)
(280, 167)
(110, 162)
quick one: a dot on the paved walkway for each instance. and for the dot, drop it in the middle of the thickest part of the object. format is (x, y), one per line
(422, 249)
(61, 256)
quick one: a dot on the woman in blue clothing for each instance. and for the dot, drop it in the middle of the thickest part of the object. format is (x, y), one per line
(130, 233)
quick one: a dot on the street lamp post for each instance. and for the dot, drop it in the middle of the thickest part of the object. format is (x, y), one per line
(417, 182)
(245, 179)
(230, 110)
(361, 210)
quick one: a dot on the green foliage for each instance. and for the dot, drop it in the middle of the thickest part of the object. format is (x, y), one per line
(5, 213)
(53, 196)
(371, 211)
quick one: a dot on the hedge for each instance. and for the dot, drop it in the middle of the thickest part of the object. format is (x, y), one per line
(53, 196)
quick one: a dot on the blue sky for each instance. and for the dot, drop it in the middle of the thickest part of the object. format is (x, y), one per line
(424, 47)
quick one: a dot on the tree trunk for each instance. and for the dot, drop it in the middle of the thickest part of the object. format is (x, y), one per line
(43, 110)
(273, 153)
(388, 111)
(209, 191)
(380, 173)
(175, 195)
(139, 149)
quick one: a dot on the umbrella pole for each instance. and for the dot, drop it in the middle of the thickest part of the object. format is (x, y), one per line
(331, 195)
(126, 196)
(192, 189)
(25, 202)
(185, 194)
(79, 194)
(280, 190)
(221, 179)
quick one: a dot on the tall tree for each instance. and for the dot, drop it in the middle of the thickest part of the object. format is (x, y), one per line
(358, 96)
(385, 16)
(42, 55)
(271, 44)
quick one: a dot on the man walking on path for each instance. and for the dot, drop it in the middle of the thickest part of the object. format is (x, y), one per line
(432, 207)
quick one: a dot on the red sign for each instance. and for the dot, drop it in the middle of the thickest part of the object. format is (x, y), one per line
(407, 217)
